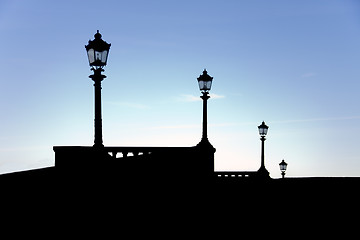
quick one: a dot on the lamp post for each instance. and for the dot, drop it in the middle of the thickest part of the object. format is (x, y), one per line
(283, 166)
(97, 51)
(205, 82)
(263, 128)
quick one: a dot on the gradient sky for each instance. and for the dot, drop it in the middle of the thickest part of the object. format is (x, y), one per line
(293, 64)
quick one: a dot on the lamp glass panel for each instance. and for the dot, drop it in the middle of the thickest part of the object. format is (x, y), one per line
(201, 85)
(104, 56)
(208, 85)
(91, 55)
(98, 56)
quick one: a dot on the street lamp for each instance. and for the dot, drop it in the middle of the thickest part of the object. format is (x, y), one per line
(263, 129)
(205, 82)
(97, 51)
(283, 166)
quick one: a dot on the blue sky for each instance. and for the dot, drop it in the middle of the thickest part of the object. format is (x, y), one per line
(293, 64)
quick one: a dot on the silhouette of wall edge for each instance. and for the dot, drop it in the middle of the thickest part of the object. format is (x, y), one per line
(136, 162)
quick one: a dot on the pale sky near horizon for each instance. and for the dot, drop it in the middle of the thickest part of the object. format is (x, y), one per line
(293, 64)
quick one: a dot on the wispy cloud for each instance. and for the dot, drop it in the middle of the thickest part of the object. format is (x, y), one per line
(129, 105)
(192, 98)
(231, 124)
(318, 119)
(216, 96)
(179, 126)
(188, 98)
(189, 126)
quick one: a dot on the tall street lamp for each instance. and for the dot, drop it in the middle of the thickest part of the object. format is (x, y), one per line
(205, 82)
(263, 128)
(283, 166)
(97, 52)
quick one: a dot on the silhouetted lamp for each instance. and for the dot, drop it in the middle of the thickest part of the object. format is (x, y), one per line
(205, 82)
(283, 166)
(97, 51)
(263, 129)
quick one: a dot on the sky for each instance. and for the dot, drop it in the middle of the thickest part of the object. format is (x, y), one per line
(293, 64)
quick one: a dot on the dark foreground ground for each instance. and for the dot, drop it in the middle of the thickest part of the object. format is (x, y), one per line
(99, 186)
(155, 205)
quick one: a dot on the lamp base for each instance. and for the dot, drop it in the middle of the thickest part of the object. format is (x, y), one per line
(263, 173)
(204, 143)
